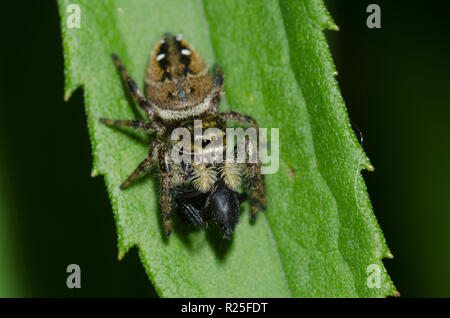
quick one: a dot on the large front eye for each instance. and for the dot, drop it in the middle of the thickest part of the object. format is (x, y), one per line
(205, 143)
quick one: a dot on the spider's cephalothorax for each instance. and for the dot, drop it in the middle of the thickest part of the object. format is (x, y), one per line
(180, 91)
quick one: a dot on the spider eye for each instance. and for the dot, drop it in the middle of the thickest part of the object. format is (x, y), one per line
(205, 143)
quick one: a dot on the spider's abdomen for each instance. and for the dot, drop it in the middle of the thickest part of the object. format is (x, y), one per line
(177, 79)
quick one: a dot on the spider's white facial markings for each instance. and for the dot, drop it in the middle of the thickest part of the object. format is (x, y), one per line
(160, 57)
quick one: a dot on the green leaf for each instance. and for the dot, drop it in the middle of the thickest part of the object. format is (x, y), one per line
(318, 235)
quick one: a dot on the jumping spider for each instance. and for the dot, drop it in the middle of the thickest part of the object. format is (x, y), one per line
(180, 90)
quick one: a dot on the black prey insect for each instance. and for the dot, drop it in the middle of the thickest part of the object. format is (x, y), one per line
(180, 90)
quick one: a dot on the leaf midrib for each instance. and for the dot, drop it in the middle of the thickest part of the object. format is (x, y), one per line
(263, 215)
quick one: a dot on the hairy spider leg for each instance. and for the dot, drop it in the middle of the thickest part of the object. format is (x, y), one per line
(254, 180)
(217, 89)
(133, 88)
(142, 168)
(165, 192)
(148, 127)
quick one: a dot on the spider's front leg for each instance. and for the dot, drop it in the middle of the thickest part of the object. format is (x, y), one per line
(256, 185)
(254, 180)
(166, 187)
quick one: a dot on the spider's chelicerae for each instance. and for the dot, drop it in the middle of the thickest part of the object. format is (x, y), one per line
(179, 91)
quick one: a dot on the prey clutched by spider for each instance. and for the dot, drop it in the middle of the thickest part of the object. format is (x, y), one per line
(181, 95)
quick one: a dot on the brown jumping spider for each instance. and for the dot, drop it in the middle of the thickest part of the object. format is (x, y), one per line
(180, 90)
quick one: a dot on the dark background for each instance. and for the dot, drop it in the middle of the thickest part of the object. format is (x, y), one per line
(52, 213)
